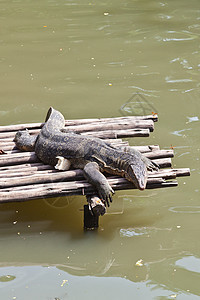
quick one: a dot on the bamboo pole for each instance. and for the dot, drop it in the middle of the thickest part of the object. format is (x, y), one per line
(153, 117)
(32, 166)
(95, 127)
(40, 177)
(46, 170)
(18, 158)
(159, 154)
(121, 120)
(48, 176)
(38, 191)
(112, 125)
(103, 134)
(118, 133)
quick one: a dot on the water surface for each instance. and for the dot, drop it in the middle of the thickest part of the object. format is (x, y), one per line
(88, 59)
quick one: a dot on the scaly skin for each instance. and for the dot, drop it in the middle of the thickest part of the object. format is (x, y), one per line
(92, 155)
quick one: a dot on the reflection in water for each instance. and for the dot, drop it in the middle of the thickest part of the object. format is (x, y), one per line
(6, 278)
(137, 105)
(184, 273)
(189, 263)
(38, 282)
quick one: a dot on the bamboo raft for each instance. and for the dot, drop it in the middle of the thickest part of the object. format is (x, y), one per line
(23, 177)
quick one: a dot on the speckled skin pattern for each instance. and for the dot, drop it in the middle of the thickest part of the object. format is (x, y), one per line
(92, 155)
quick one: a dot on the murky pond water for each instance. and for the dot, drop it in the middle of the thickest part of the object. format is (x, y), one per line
(87, 59)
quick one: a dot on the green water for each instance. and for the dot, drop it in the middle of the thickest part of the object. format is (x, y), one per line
(87, 59)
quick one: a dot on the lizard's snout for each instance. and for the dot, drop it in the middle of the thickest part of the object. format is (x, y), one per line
(138, 176)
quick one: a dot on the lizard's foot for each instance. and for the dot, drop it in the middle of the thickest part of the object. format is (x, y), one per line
(150, 164)
(105, 192)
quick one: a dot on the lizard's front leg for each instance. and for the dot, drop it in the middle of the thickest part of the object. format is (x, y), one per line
(99, 181)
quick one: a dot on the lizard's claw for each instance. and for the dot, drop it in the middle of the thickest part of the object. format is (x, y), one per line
(105, 193)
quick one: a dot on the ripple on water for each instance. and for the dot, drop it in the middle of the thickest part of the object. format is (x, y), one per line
(165, 17)
(183, 62)
(131, 232)
(140, 231)
(185, 209)
(169, 79)
(176, 36)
